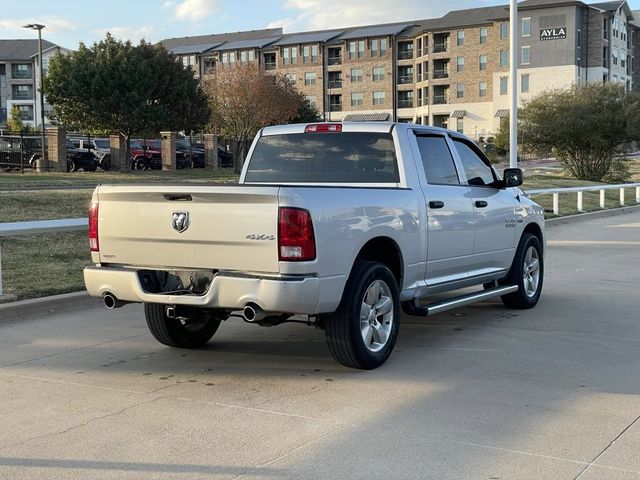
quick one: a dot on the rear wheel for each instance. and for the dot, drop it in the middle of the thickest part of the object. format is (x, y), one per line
(71, 166)
(364, 329)
(527, 272)
(191, 331)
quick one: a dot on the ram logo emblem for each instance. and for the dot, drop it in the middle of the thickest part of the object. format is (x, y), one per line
(180, 221)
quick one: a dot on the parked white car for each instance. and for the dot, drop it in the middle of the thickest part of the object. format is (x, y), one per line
(100, 148)
(346, 224)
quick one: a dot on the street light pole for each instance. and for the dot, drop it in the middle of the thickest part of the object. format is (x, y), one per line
(43, 166)
(513, 76)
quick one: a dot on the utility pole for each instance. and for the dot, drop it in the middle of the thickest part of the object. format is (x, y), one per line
(513, 76)
(44, 164)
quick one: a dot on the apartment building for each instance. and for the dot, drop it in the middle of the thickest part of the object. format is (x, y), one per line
(19, 78)
(451, 71)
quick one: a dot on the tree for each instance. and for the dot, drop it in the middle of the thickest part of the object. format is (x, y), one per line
(307, 112)
(14, 124)
(243, 99)
(120, 87)
(586, 126)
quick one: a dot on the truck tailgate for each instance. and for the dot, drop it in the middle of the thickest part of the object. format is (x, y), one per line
(229, 227)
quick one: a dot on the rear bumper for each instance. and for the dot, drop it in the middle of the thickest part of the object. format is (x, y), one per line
(304, 295)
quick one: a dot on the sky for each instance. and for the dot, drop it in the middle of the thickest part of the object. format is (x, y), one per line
(69, 22)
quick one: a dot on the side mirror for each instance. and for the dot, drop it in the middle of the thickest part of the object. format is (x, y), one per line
(512, 177)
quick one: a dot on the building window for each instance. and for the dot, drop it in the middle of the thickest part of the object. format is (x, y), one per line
(623, 60)
(504, 58)
(484, 33)
(579, 38)
(374, 46)
(483, 62)
(504, 30)
(291, 77)
(460, 37)
(605, 29)
(356, 49)
(378, 98)
(504, 84)
(312, 100)
(232, 57)
(286, 58)
(526, 27)
(614, 56)
(290, 55)
(314, 53)
(356, 99)
(306, 54)
(26, 112)
(459, 90)
(22, 92)
(483, 89)
(460, 125)
(605, 57)
(524, 83)
(383, 46)
(247, 56)
(356, 75)
(378, 74)
(460, 64)
(526, 55)
(294, 55)
(310, 78)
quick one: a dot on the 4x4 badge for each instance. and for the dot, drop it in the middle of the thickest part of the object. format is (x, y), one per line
(180, 221)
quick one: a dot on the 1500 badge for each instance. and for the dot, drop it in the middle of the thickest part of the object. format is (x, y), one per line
(510, 222)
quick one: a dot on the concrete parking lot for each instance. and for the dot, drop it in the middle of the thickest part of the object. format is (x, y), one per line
(476, 393)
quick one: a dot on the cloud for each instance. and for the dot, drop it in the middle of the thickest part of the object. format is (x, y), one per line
(126, 33)
(194, 10)
(52, 24)
(168, 4)
(321, 14)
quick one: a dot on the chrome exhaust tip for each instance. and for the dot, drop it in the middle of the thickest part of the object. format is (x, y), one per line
(110, 301)
(253, 313)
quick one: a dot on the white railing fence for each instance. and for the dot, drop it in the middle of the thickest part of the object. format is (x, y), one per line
(42, 226)
(580, 194)
(77, 224)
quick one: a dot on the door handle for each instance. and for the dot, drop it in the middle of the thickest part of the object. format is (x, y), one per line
(481, 203)
(436, 204)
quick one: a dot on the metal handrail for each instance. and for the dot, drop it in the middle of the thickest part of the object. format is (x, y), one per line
(580, 191)
(41, 226)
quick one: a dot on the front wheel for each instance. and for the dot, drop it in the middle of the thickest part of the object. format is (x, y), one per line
(527, 272)
(364, 329)
(191, 331)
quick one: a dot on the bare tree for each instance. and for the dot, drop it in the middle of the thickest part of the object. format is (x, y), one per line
(244, 98)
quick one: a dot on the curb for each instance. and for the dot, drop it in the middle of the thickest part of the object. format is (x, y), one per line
(584, 217)
(46, 306)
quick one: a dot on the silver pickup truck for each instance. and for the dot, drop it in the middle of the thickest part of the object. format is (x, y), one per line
(340, 226)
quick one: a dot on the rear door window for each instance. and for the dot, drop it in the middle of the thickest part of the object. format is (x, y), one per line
(345, 157)
(437, 160)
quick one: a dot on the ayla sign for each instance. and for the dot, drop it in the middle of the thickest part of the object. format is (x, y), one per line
(553, 33)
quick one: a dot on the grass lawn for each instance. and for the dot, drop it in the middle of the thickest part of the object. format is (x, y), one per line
(47, 264)
(16, 180)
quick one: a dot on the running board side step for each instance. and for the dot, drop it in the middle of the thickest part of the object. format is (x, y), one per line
(450, 303)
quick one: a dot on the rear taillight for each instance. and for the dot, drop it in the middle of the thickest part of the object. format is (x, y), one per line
(323, 128)
(93, 227)
(296, 241)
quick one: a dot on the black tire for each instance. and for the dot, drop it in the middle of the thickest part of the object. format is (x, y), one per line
(343, 328)
(173, 333)
(71, 166)
(105, 162)
(526, 296)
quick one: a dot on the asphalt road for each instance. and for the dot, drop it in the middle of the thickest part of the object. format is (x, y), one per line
(478, 393)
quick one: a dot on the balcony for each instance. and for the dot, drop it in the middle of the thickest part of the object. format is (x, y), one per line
(440, 99)
(270, 65)
(335, 83)
(16, 75)
(405, 54)
(405, 103)
(23, 96)
(335, 107)
(440, 74)
(405, 79)
(336, 60)
(440, 47)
